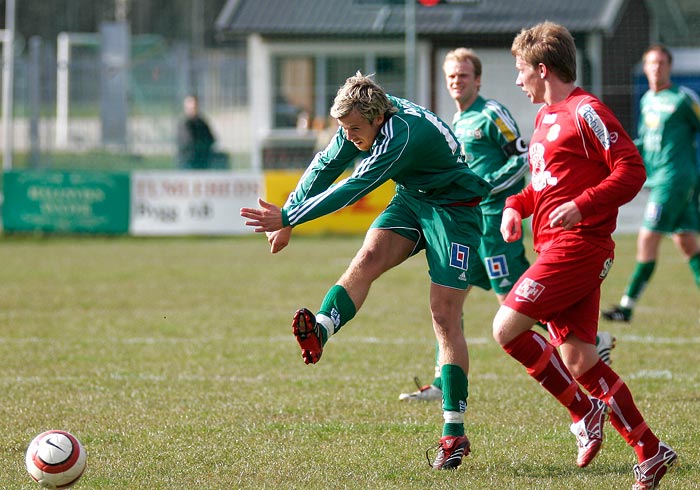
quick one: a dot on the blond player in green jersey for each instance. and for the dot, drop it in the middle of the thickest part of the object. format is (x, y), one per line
(435, 209)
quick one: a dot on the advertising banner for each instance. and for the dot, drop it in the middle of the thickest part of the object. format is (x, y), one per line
(192, 202)
(66, 202)
(162, 203)
(353, 219)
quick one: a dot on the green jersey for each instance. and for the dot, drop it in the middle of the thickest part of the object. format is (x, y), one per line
(494, 150)
(669, 121)
(414, 148)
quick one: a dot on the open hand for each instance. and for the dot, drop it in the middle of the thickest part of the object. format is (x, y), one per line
(266, 218)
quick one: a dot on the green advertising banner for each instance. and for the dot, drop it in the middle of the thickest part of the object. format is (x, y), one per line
(66, 202)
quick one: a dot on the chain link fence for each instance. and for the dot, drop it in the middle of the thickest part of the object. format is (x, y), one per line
(60, 110)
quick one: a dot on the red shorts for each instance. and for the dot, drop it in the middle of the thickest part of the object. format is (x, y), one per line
(562, 289)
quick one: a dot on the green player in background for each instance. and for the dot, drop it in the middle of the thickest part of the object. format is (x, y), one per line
(435, 208)
(495, 151)
(669, 124)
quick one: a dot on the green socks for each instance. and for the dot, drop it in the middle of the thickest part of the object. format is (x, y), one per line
(694, 264)
(641, 275)
(336, 310)
(640, 278)
(455, 390)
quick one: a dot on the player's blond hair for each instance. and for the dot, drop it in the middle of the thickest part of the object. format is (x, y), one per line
(363, 94)
(550, 44)
(464, 54)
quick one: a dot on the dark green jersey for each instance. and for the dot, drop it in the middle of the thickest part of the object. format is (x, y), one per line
(414, 148)
(669, 122)
(494, 150)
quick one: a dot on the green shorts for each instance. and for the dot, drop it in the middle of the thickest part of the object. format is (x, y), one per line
(502, 263)
(449, 235)
(671, 209)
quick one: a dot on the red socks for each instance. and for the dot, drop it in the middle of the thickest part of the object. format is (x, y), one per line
(543, 363)
(604, 383)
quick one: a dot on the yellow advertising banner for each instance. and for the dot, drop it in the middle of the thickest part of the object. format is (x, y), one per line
(353, 219)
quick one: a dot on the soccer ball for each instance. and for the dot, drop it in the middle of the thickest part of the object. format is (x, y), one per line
(56, 459)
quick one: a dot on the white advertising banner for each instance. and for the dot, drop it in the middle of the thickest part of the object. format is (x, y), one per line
(192, 202)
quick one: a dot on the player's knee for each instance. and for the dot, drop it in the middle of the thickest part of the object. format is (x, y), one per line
(365, 265)
(687, 243)
(442, 323)
(497, 330)
(501, 327)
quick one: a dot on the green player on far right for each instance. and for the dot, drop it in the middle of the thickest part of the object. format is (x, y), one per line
(669, 124)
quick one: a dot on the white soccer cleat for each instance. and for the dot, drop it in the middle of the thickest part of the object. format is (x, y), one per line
(589, 432)
(649, 473)
(605, 343)
(424, 393)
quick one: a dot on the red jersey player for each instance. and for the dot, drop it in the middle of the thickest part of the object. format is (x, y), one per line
(584, 167)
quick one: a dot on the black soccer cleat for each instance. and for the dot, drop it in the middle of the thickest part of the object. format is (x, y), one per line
(617, 314)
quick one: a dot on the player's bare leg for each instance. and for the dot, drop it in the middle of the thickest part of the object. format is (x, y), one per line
(381, 250)
(446, 309)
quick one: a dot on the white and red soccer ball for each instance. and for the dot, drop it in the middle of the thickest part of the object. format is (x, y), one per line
(56, 459)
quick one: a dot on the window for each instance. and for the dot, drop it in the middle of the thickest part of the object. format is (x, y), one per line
(305, 85)
(391, 74)
(293, 81)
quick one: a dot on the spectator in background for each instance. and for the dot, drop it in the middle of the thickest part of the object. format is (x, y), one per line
(194, 138)
(668, 127)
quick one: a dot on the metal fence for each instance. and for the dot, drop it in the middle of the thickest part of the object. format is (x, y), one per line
(59, 99)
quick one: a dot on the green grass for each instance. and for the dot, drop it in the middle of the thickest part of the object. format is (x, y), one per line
(172, 360)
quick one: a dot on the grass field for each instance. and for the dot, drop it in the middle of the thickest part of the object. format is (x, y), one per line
(172, 360)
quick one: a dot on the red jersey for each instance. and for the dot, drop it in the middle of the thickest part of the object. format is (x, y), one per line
(579, 151)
